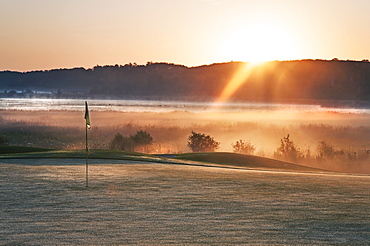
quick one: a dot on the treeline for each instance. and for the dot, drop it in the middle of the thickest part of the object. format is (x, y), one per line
(275, 81)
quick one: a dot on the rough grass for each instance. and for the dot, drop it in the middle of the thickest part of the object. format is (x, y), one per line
(147, 203)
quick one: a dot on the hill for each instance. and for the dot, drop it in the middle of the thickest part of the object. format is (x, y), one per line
(215, 159)
(276, 81)
(245, 161)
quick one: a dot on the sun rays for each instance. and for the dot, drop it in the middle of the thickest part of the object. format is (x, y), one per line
(259, 42)
(239, 78)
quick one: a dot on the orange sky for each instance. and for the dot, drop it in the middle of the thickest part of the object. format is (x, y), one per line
(45, 34)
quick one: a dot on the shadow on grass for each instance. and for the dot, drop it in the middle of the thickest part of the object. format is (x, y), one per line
(20, 149)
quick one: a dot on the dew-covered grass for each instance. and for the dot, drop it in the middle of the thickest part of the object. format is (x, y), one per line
(141, 203)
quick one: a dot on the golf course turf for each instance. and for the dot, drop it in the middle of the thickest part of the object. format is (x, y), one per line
(186, 199)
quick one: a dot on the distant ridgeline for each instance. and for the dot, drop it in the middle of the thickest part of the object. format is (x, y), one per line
(276, 81)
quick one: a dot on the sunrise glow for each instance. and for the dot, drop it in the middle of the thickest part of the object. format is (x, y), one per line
(43, 34)
(257, 42)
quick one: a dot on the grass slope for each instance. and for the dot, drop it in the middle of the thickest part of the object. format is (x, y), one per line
(244, 161)
(212, 158)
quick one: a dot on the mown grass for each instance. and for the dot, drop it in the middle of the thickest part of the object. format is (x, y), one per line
(160, 204)
(218, 158)
(241, 160)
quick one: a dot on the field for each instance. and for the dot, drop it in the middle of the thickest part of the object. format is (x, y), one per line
(44, 201)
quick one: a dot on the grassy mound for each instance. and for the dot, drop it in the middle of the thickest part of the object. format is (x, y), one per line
(243, 161)
(224, 159)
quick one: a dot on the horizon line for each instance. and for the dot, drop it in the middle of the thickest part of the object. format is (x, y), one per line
(134, 64)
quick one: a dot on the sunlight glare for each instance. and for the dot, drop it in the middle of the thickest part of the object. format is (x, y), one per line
(237, 80)
(259, 41)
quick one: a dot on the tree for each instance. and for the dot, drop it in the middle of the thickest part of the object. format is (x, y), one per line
(288, 150)
(142, 138)
(243, 147)
(120, 142)
(325, 150)
(116, 142)
(3, 140)
(200, 142)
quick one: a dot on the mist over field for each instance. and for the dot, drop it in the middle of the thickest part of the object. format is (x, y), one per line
(347, 133)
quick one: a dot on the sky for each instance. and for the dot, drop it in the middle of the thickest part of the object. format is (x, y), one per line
(49, 34)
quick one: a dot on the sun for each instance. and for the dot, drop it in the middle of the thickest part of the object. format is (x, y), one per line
(257, 42)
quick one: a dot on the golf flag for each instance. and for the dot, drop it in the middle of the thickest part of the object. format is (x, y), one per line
(87, 116)
(88, 126)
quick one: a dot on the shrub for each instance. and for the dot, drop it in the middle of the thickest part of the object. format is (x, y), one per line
(288, 150)
(325, 150)
(142, 138)
(3, 140)
(120, 142)
(243, 147)
(199, 142)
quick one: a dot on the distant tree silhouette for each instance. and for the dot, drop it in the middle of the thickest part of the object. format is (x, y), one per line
(3, 140)
(130, 143)
(120, 142)
(200, 142)
(288, 150)
(326, 151)
(243, 147)
(305, 79)
(142, 138)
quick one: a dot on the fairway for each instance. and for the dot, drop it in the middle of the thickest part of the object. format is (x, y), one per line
(141, 203)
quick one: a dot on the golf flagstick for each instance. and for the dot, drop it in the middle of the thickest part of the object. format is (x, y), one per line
(88, 126)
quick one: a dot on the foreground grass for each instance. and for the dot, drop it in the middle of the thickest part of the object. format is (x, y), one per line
(160, 204)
